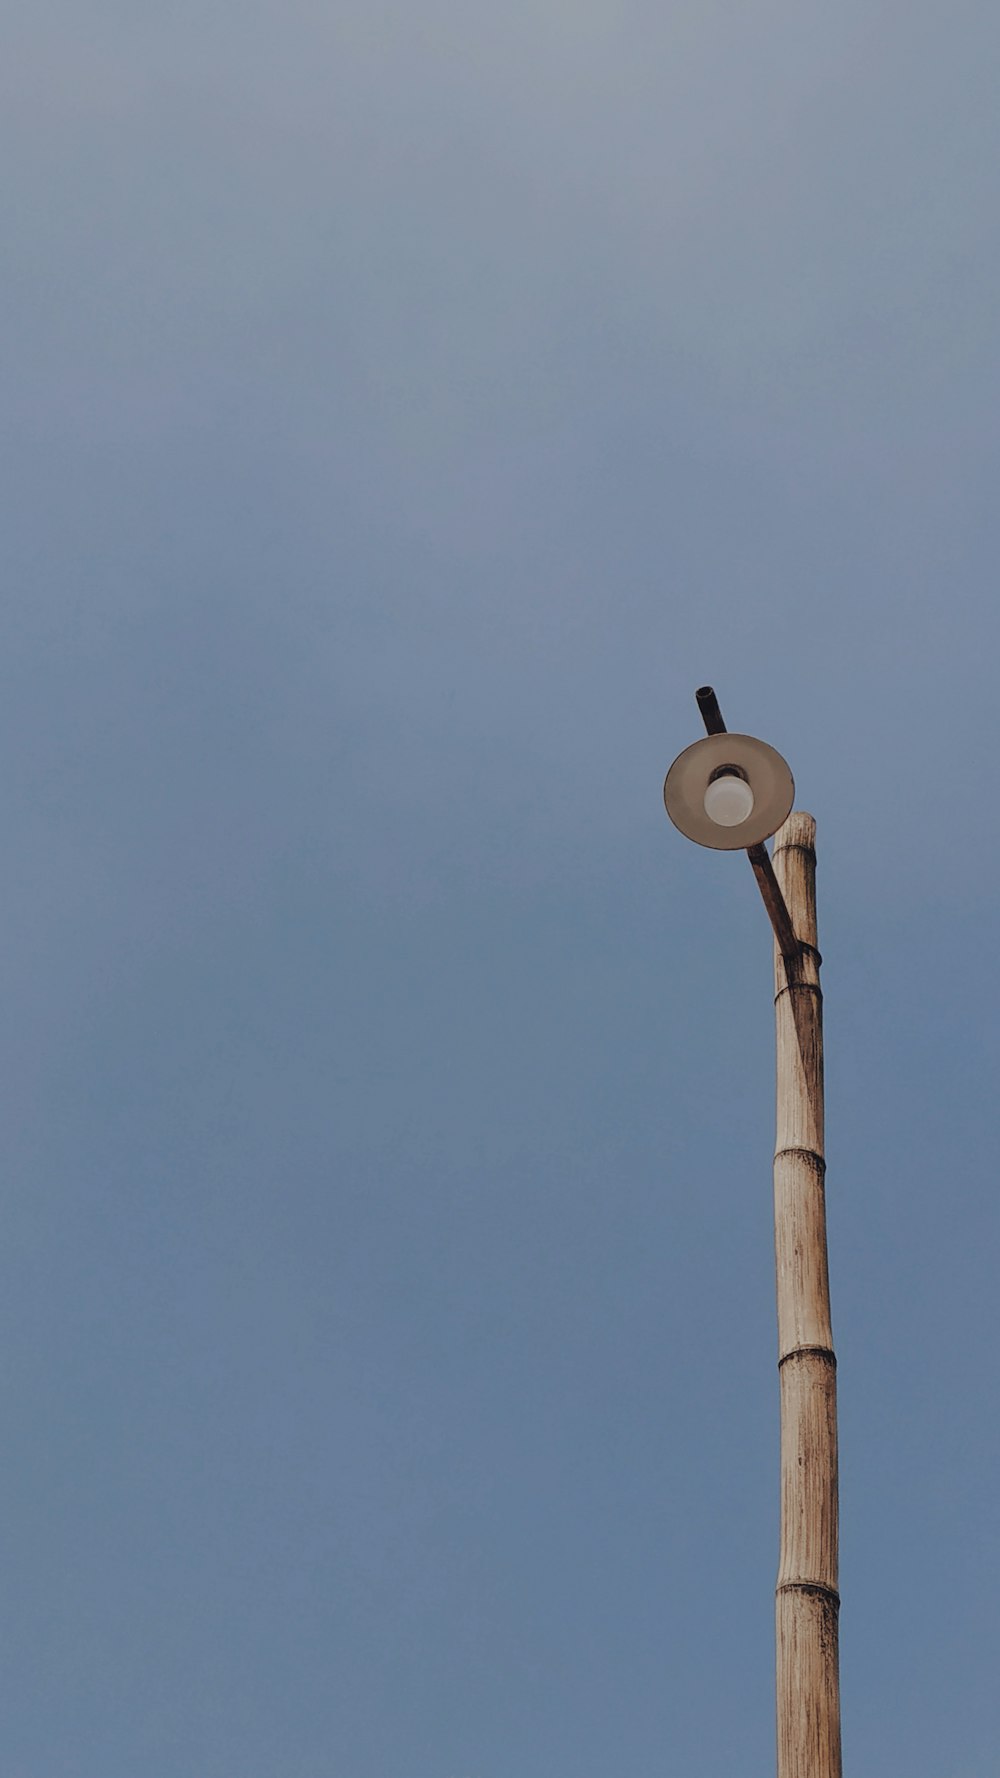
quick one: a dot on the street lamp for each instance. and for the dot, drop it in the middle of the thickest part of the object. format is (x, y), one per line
(731, 793)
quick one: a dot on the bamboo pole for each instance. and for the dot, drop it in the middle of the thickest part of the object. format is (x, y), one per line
(806, 1601)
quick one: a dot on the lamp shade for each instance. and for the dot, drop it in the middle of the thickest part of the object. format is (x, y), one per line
(712, 783)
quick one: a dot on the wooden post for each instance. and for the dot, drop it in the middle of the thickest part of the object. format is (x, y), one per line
(807, 1602)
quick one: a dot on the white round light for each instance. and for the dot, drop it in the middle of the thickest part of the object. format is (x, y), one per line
(728, 800)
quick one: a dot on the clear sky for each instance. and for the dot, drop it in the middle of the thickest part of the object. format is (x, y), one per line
(407, 407)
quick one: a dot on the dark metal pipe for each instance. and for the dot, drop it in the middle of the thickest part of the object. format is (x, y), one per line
(758, 855)
(774, 901)
(711, 715)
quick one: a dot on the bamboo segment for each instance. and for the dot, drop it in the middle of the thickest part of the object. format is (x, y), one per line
(808, 1479)
(807, 1602)
(808, 1687)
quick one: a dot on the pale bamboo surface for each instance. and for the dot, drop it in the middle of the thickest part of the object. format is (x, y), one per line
(807, 1600)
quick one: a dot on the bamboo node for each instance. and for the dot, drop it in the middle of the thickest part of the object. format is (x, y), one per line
(808, 846)
(797, 833)
(799, 988)
(826, 1352)
(806, 1154)
(816, 1587)
(814, 951)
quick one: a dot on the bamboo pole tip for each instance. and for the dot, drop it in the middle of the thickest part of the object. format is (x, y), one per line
(798, 830)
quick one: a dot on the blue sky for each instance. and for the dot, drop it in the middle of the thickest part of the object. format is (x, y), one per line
(406, 410)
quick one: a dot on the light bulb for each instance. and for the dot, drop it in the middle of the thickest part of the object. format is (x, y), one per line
(728, 799)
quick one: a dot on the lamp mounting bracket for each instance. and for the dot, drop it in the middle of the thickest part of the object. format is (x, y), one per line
(760, 858)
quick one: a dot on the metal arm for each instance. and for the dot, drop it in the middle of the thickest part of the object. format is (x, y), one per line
(763, 869)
